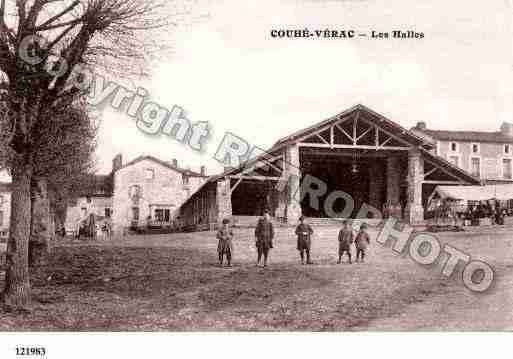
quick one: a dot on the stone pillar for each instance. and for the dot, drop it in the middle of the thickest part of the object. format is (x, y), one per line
(393, 187)
(281, 209)
(414, 209)
(292, 173)
(223, 199)
(40, 229)
(376, 182)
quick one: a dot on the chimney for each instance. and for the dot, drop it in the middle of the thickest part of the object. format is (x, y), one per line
(175, 162)
(507, 129)
(421, 126)
(202, 171)
(117, 162)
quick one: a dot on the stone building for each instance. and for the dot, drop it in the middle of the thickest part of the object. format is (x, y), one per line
(145, 191)
(358, 154)
(486, 155)
(149, 191)
(95, 198)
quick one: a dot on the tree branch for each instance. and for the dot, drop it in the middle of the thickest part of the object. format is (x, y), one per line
(55, 26)
(33, 13)
(2, 13)
(44, 26)
(20, 5)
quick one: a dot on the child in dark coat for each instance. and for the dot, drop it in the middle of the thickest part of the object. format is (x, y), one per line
(304, 236)
(225, 245)
(345, 239)
(361, 242)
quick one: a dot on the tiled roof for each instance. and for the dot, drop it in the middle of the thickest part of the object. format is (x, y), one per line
(371, 115)
(469, 136)
(165, 164)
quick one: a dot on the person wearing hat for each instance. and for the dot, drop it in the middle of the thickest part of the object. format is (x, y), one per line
(361, 242)
(225, 245)
(345, 239)
(264, 233)
(304, 234)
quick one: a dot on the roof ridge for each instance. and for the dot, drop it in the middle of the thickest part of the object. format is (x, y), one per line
(164, 163)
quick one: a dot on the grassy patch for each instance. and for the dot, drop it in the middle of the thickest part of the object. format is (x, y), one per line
(172, 282)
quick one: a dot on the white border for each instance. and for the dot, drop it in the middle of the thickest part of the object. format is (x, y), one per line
(257, 345)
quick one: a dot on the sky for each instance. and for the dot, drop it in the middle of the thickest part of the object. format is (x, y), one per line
(227, 69)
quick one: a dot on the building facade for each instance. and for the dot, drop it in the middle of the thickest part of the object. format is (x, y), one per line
(486, 155)
(330, 170)
(143, 192)
(149, 191)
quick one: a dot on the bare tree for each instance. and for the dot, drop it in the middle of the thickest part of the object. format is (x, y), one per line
(37, 38)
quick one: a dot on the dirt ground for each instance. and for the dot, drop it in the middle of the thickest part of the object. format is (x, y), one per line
(173, 282)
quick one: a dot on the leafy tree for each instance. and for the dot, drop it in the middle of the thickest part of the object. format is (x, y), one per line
(60, 35)
(62, 167)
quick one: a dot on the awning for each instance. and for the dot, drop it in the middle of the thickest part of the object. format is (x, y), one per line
(474, 193)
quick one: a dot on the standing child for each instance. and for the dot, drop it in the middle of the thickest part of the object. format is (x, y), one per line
(345, 239)
(362, 241)
(225, 246)
(304, 235)
(264, 233)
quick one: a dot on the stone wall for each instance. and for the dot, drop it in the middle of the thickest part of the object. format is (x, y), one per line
(490, 155)
(414, 209)
(292, 172)
(5, 209)
(223, 200)
(166, 190)
(393, 174)
(376, 185)
(83, 207)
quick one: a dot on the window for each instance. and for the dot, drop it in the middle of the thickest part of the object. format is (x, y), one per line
(1, 218)
(475, 166)
(507, 149)
(455, 160)
(108, 212)
(454, 147)
(162, 215)
(135, 213)
(475, 147)
(134, 192)
(185, 179)
(506, 168)
(149, 174)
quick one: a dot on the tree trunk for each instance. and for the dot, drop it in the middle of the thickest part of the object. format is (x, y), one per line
(16, 295)
(51, 225)
(40, 224)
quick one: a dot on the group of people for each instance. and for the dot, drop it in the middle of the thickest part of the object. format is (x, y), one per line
(486, 210)
(91, 228)
(264, 235)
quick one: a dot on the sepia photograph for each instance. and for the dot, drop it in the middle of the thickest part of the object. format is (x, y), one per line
(185, 171)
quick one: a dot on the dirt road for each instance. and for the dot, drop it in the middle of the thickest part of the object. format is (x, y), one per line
(172, 282)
